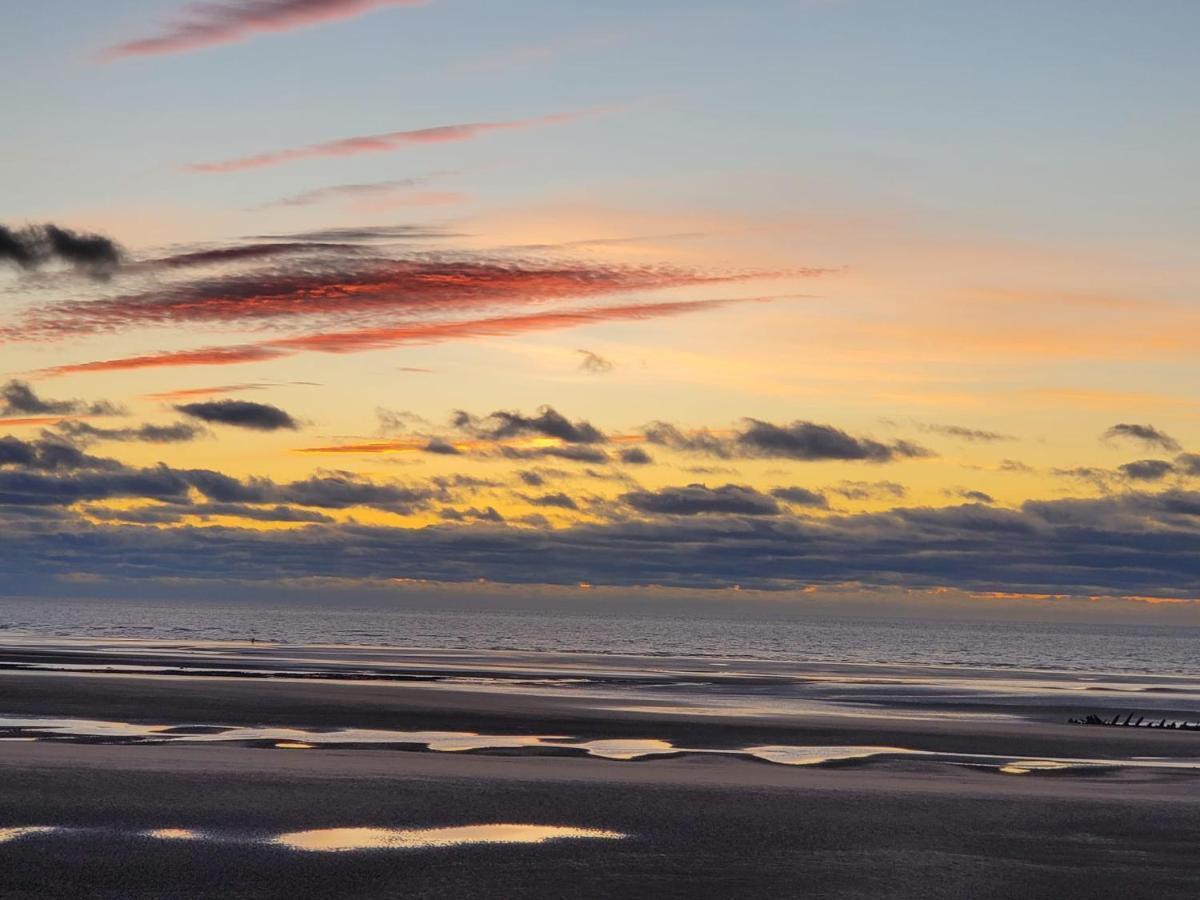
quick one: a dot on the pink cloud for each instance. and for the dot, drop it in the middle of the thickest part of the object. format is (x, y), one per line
(208, 24)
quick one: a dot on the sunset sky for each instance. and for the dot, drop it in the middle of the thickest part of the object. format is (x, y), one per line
(858, 304)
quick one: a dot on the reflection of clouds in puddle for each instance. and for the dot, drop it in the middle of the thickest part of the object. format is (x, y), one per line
(342, 839)
(793, 709)
(173, 834)
(13, 834)
(813, 756)
(626, 749)
(83, 727)
(1033, 766)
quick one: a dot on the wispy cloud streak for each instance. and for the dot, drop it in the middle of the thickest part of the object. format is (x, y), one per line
(394, 336)
(209, 24)
(379, 143)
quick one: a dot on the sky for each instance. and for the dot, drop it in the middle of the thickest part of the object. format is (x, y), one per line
(860, 305)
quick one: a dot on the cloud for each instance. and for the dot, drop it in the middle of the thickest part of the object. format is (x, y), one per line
(1147, 435)
(571, 453)
(966, 434)
(380, 143)
(18, 398)
(366, 234)
(635, 456)
(869, 490)
(371, 196)
(973, 496)
(349, 288)
(210, 24)
(37, 245)
(441, 447)
(810, 441)
(1188, 464)
(558, 500)
(176, 433)
(189, 393)
(698, 441)
(505, 424)
(240, 414)
(594, 363)
(472, 514)
(800, 440)
(49, 456)
(1147, 469)
(799, 496)
(699, 499)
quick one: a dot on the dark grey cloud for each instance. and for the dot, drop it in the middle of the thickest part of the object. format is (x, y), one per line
(441, 447)
(571, 453)
(1188, 464)
(1147, 469)
(36, 245)
(635, 456)
(800, 440)
(472, 514)
(1147, 435)
(811, 441)
(25, 488)
(505, 424)
(1131, 544)
(49, 456)
(241, 414)
(699, 441)
(531, 478)
(972, 495)
(558, 500)
(699, 499)
(18, 398)
(799, 496)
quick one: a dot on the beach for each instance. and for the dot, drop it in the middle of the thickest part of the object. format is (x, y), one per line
(672, 777)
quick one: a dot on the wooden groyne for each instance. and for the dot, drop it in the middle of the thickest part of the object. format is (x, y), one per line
(1141, 722)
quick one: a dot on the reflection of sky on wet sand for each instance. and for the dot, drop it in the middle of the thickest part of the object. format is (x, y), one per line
(173, 834)
(343, 839)
(619, 749)
(813, 756)
(12, 834)
(627, 749)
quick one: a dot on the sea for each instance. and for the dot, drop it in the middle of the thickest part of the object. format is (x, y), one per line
(1152, 649)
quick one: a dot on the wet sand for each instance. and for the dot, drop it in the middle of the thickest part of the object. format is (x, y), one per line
(695, 825)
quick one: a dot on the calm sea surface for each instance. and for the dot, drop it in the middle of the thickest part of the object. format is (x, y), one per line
(1108, 648)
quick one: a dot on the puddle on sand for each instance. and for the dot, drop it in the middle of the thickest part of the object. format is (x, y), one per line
(814, 756)
(173, 834)
(1032, 766)
(292, 745)
(13, 834)
(626, 749)
(332, 840)
(84, 727)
